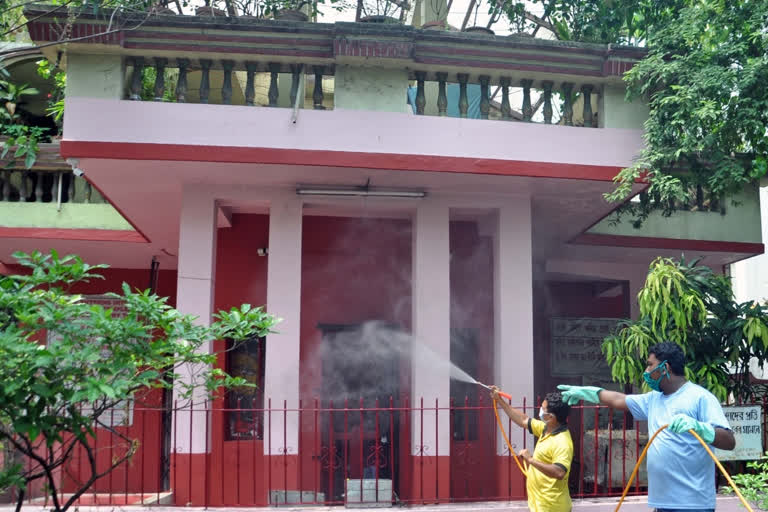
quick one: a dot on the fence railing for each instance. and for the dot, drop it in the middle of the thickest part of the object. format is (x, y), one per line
(353, 451)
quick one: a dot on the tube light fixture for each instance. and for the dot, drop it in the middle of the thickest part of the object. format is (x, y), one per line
(358, 191)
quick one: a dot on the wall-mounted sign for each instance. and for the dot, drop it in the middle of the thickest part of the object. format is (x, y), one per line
(576, 347)
(747, 426)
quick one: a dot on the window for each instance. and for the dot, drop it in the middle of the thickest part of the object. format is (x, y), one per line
(245, 405)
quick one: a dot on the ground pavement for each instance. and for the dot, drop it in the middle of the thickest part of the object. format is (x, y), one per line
(632, 504)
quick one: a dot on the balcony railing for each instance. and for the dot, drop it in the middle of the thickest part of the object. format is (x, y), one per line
(498, 97)
(47, 187)
(250, 77)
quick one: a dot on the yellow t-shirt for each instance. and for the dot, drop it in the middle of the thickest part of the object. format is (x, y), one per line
(547, 494)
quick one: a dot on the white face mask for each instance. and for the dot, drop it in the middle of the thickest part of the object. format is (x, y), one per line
(542, 413)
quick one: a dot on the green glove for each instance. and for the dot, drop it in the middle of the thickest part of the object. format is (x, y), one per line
(574, 394)
(682, 423)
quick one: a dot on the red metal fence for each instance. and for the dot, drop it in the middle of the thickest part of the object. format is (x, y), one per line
(354, 451)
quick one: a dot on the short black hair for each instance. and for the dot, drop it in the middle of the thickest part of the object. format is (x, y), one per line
(558, 407)
(672, 353)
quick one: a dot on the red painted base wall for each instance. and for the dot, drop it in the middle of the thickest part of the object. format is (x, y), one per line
(143, 471)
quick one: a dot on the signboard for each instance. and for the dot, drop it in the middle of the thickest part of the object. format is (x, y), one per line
(747, 426)
(576, 347)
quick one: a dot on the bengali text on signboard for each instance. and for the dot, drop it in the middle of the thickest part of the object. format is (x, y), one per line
(747, 426)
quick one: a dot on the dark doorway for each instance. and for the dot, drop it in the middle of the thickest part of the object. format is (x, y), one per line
(360, 433)
(471, 430)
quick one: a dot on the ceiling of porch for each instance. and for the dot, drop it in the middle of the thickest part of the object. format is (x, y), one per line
(148, 194)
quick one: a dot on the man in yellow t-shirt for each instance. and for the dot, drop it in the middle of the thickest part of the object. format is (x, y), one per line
(550, 464)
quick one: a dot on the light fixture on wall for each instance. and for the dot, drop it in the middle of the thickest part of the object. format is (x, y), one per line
(358, 191)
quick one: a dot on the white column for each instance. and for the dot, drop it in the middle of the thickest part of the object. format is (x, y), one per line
(513, 305)
(431, 327)
(281, 379)
(195, 286)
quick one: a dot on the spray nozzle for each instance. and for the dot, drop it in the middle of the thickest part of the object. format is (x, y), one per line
(501, 393)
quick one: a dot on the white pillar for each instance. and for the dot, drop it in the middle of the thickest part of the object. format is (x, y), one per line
(281, 379)
(513, 305)
(431, 327)
(195, 286)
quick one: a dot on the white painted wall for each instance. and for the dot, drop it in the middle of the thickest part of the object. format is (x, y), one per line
(750, 276)
(370, 89)
(281, 378)
(513, 305)
(94, 76)
(431, 326)
(195, 285)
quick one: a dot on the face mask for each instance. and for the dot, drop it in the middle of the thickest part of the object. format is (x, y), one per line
(542, 413)
(655, 384)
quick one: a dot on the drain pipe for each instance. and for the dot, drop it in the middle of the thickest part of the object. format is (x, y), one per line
(299, 97)
(59, 177)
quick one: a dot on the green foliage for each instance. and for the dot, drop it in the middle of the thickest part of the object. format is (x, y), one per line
(56, 98)
(753, 486)
(23, 139)
(692, 306)
(54, 395)
(704, 79)
(148, 77)
(589, 21)
(274, 6)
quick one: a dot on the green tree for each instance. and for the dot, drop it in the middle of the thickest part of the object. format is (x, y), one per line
(55, 395)
(21, 140)
(692, 306)
(703, 79)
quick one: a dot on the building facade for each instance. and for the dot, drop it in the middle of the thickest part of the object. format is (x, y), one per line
(282, 164)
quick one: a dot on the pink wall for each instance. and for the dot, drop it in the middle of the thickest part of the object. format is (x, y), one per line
(344, 131)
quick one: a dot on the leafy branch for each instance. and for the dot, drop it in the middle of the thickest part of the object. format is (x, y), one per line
(690, 305)
(55, 395)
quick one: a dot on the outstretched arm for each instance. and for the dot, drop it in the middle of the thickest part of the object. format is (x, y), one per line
(574, 394)
(519, 417)
(613, 399)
